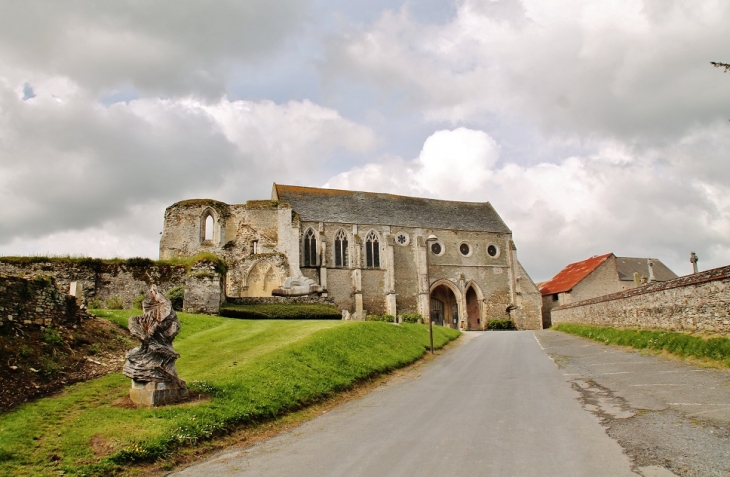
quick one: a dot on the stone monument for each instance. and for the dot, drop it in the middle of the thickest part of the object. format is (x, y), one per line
(151, 365)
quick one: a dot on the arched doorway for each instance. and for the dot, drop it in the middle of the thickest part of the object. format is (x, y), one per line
(444, 307)
(472, 310)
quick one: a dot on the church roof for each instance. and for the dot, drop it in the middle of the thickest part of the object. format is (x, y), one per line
(354, 207)
(571, 275)
(628, 265)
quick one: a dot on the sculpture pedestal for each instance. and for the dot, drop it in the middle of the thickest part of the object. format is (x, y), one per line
(156, 394)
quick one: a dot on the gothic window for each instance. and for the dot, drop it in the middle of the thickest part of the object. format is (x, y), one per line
(310, 249)
(341, 256)
(372, 251)
(207, 225)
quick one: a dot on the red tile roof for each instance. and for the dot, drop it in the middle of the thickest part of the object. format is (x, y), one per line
(571, 275)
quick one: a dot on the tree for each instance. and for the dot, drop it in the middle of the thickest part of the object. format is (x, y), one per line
(726, 66)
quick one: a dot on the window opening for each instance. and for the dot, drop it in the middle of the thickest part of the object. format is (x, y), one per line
(372, 251)
(255, 247)
(341, 255)
(436, 248)
(464, 249)
(310, 249)
(492, 250)
(401, 239)
(208, 235)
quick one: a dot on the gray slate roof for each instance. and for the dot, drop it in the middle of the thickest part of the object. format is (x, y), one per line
(628, 265)
(352, 207)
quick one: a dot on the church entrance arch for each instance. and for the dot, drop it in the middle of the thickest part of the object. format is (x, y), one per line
(445, 304)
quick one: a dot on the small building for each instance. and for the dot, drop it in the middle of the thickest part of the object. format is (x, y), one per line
(369, 253)
(597, 276)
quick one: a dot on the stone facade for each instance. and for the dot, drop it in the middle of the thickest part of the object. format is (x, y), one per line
(35, 301)
(368, 253)
(100, 280)
(203, 289)
(697, 303)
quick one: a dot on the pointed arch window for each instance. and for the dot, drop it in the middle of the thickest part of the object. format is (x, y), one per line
(208, 235)
(342, 258)
(310, 249)
(372, 251)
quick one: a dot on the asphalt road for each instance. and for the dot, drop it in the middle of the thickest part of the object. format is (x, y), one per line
(493, 405)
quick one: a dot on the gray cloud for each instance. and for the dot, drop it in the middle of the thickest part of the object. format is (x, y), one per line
(162, 47)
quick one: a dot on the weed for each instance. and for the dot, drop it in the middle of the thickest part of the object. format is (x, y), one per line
(115, 303)
(49, 366)
(176, 296)
(137, 303)
(95, 304)
(24, 352)
(51, 337)
(93, 349)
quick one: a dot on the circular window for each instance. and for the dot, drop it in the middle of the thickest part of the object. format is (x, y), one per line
(465, 249)
(493, 251)
(436, 248)
(401, 238)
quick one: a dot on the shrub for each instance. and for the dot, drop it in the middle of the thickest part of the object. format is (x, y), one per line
(95, 304)
(176, 296)
(115, 303)
(140, 262)
(412, 318)
(48, 366)
(51, 337)
(282, 311)
(137, 303)
(503, 324)
(384, 318)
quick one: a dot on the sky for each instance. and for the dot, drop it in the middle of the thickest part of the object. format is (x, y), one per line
(591, 126)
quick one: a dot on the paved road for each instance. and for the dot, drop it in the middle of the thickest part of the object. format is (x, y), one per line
(493, 405)
(664, 413)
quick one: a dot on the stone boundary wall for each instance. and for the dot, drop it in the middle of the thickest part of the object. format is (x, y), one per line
(100, 280)
(699, 302)
(26, 302)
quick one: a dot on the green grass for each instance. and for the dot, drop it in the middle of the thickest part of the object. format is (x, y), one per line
(252, 370)
(282, 311)
(680, 344)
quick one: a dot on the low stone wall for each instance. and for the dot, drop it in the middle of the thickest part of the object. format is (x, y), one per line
(699, 302)
(35, 301)
(100, 280)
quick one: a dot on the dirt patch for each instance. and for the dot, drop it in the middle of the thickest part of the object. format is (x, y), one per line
(38, 362)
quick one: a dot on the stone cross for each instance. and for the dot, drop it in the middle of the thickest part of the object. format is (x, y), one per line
(693, 260)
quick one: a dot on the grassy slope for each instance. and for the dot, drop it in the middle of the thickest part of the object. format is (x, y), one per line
(253, 370)
(680, 344)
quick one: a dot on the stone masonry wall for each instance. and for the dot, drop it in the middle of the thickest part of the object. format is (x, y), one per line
(699, 302)
(35, 301)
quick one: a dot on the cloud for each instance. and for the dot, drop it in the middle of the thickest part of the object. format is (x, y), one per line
(164, 47)
(68, 162)
(563, 212)
(623, 69)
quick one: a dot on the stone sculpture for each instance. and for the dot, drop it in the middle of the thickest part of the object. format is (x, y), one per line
(151, 365)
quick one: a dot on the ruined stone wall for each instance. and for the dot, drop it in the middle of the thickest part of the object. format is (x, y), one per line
(101, 281)
(203, 290)
(698, 302)
(35, 301)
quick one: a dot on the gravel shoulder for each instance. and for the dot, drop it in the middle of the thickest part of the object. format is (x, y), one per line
(669, 416)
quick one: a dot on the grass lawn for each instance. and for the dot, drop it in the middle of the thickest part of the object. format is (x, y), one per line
(251, 370)
(679, 344)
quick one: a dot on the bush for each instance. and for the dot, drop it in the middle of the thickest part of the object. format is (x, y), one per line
(51, 337)
(411, 318)
(282, 311)
(384, 318)
(176, 296)
(115, 303)
(503, 324)
(95, 304)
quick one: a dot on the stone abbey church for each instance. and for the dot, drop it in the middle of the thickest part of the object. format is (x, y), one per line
(369, 253)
